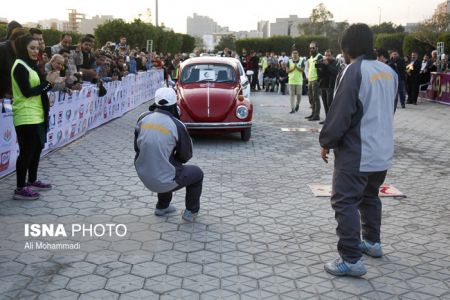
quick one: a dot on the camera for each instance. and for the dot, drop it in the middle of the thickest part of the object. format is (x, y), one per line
(48, 51)
(319, 63)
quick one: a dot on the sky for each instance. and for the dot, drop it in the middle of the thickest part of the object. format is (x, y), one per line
(236, 14)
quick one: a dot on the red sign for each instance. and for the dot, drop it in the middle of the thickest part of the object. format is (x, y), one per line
(4, 163)
(440, 87)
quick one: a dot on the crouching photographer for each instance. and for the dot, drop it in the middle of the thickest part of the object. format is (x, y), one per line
(163, 145)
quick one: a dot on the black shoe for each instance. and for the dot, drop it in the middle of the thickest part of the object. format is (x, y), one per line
(403, 106)
(321, 122)
(309, 117)
(314, 119)
(296, 108)
(292, 112)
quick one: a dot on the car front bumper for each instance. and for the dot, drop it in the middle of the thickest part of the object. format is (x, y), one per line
(212, 126)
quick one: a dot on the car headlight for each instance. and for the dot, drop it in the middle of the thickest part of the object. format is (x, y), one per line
(241, 112)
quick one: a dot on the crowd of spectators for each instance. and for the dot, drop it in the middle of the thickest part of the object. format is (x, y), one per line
(80, 61)
(414, 72)
(271, 71)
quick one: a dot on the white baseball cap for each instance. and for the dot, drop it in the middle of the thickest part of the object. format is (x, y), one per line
(165, 97)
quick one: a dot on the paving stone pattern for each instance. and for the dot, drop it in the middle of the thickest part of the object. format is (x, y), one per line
(260, 234)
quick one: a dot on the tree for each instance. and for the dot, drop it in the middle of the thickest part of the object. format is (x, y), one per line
(334, 35)
(138, 32)
(387, 27)
(410, 43)
(3, 30)
(319, 21)
(188, 43)
(429, 30)
(227, 41)
(390, 41)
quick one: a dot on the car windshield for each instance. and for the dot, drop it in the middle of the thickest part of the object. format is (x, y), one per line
(208, 72)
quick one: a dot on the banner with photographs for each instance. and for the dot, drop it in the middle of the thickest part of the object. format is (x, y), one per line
(72, 115)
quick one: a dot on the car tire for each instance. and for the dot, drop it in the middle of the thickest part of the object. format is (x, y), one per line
(246, 134)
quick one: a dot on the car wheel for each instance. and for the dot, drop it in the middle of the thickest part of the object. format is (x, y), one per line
(246, 134)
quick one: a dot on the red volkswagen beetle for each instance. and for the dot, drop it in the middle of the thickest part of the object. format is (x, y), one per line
(210, 96)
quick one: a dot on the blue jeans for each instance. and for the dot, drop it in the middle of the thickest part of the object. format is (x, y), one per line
(401, 93)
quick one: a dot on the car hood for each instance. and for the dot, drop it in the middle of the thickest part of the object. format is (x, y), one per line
(209, 102)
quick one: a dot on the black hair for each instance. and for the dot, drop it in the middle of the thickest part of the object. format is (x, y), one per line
(382, 52)
(11, 26)
(64, 34)
(35, 31)
(85, 39)
(21, 46)
(62, 51)
(357, 40)
(171, 108)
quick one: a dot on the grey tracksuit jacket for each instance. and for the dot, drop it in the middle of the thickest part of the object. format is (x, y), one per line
(162, 145)
(359, 125)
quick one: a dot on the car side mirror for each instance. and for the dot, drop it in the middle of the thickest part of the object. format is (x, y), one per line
(249, 73)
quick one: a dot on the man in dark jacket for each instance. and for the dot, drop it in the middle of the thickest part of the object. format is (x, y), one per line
(270, 77)
(413, 72)
(328, 68)
(359, 128)
(398, 64)
(162, 146)
(282, 78)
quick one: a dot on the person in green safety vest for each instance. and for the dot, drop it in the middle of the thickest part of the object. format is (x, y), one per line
(264, 64)
(294, 69)
(313, 81)
(30, 115)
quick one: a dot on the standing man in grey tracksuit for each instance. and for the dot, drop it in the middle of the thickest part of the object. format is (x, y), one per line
(359, 128)
(162, 146)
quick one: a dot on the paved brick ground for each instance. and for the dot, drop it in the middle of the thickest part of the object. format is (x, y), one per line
(260, 235)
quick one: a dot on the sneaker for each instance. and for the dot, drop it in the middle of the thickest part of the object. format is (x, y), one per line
(25, 193)
(40, 186)
(189, 216)
(371, 249)
(292, 112)
(339, 267)
(164, 211)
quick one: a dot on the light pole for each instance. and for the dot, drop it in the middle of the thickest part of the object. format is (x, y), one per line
(379, 15)
(156, 14)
